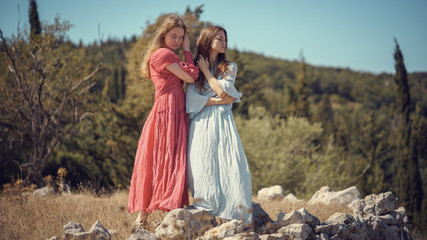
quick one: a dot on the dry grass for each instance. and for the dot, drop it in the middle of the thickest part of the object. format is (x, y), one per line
(30, 217)
(33, 217)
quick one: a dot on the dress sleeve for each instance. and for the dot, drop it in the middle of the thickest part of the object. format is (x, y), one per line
(162, 58)
(189, 66)
(227, 83)
(194, 100)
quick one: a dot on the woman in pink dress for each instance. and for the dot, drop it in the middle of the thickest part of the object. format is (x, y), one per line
(159, 174)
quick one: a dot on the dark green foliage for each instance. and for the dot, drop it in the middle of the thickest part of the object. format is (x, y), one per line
(34, 19)
(45, 98)
(410, 190)
(301, 92)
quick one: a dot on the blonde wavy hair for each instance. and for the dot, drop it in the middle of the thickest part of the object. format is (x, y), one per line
(158, 41)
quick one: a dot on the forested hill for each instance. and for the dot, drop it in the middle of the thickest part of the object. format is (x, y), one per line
(270, 81)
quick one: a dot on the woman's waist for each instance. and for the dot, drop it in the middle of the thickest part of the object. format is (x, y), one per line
(175, 91)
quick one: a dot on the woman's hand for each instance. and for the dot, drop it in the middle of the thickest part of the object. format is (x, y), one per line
(186, 43)
(203, 64)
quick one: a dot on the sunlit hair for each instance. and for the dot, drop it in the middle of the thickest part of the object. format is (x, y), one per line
(158, 41)
(203, 48)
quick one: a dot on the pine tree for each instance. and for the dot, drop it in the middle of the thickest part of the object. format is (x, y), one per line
(325, 113)
(34, 19)
(116, 93)
(301, 91)
(290, 101)
(371, 147)
(418, 143)
(410, 191)
(122, 82)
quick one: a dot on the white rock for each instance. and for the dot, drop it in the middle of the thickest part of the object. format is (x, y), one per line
(299, 231)
(308, 218)
(291, 198)
(99, 232)
(344, 197)
(227, 229)
(183, 224)
(74, 231)
(243, 236)
(44, 191)
(142, 234)
(293, 217)
(274, 236)
(270, 193)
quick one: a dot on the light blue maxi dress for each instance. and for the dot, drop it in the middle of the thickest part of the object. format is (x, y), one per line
(218, 172)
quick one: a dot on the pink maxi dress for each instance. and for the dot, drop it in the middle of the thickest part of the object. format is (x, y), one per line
(159, 178)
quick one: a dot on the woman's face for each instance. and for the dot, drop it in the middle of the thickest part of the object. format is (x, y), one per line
(219, 43)
(174, 37)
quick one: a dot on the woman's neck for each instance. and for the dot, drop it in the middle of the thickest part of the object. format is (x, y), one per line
(212, 59)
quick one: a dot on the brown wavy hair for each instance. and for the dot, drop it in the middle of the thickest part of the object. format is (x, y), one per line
(158, 41)
(203, 48)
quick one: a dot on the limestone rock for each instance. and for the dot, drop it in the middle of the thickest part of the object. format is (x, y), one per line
(99, 232)
(299, 231)
(74, 231)
(44, 191)
(291, 198)
(243, 236)
(274, 236)
(184, 224)
(344, 197)
(374, 204)
(309, 219)
(293, 217)
(260, 217)
(142, 234)
(227, 229)
(270, 193)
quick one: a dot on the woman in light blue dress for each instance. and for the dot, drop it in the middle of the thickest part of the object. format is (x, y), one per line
(218, 172)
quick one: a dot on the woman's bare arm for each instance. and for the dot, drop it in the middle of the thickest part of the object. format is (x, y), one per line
(220, 101)
(213, 82)
(176, 69)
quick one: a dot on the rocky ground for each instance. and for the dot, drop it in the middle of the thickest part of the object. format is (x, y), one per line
(374, 217)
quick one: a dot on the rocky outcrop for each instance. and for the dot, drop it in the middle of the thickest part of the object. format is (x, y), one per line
(375, 217)
(381, 216)
(75, 231)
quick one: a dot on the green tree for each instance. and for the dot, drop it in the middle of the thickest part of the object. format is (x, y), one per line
(419, 141)
(325, 113)
(34, 19)
(371, 147)
(46, 100)
(301, 92)
(410, 191)
(289, 150)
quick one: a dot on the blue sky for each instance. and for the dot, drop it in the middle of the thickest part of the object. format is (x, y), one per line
(332, 33)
